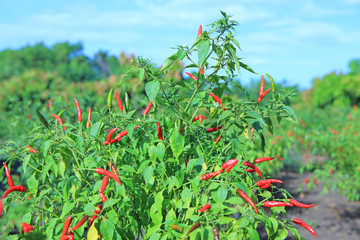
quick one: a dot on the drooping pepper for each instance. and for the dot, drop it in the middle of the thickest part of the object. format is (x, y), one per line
(277, 204)
(59, 120)
(32, 150)
(193, 227)
(160, 136)
(247, 198)
(249, 164)
(80, 223)
(205, 207)
(108, 137)
(216, 233)
(8, 175)
(17, 188)
(263, 159)
(102, 196)
(104, 183)
(209, 130)
(304, 225)
(109, 174)
(299, 204)
(147, 109)
(267, 181)
(212, 174)
(66, 226)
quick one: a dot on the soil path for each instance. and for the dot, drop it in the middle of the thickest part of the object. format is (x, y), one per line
(332, 217)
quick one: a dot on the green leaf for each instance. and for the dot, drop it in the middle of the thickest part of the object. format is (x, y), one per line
(232, 52)
(107, 229)
(290, 112)
(148, 173)
(186, 196)
(170, 60)
(246, 67)
(96, 129)
(32, 183)
(141, 74)
(222, 194)
(42, 119)
(252, 233)
(224, 115)
(152, 152)
(62, 168)
(26, 161)
(155, 236)
(225, 220)
(176, 142)
(181, 54)
(130, 74)
(45, 147)
(67, 208)
(160, 151)
(152, 89)
(281, 234)
(203, 50)
(235, 41)
(110, 202)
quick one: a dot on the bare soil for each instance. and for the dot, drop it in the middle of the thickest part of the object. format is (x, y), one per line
(332, 217)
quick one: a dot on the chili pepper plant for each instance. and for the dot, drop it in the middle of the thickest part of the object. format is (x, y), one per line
(155, 172)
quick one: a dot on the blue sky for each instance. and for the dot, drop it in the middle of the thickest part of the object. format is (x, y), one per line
(296, 40)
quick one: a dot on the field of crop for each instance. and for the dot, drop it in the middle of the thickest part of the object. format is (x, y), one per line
(120, 149)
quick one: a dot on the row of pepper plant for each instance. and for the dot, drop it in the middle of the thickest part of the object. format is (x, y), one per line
(176, 170)
(325, 143)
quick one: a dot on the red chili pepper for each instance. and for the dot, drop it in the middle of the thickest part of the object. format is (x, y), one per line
(266, 181)
(26, 227)
(104, 183)
(217, 140)
(299, 204)
(195, 226)
(247, 198)
(97, 211)
(160, 136)
(147, 109)
(263, 159)
(113, 169)
(229, 163)
(334, 132)
(66, 226)
(182, 129)
(192, 76)
(59, 120)
(32, 150)
(186, 161)
(109, 174)
(120, 135)
(266, 185)
(199, 31)
(277, 204)
(200, 118)
(88, 123)
(250, 170)
(80, 223)
(8, 175)
(304, 225)
(262, 87)
(78, 110)
(119, 101)
(249, 164)
(355, 107)
(108, 138)
(306, 180)
(67, 237)
(102, 196)
(212, 174)
(209, 130)
(205, 207)
(17, 188)
(202, 71)
(216, 233)
(216, 98)
(331, 171)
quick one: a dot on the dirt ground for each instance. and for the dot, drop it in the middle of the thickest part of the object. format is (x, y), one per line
(332, 217)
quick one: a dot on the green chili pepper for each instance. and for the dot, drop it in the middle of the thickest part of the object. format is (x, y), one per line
(126, 101)
(272, 83)
(109, 99)
(42, 119)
